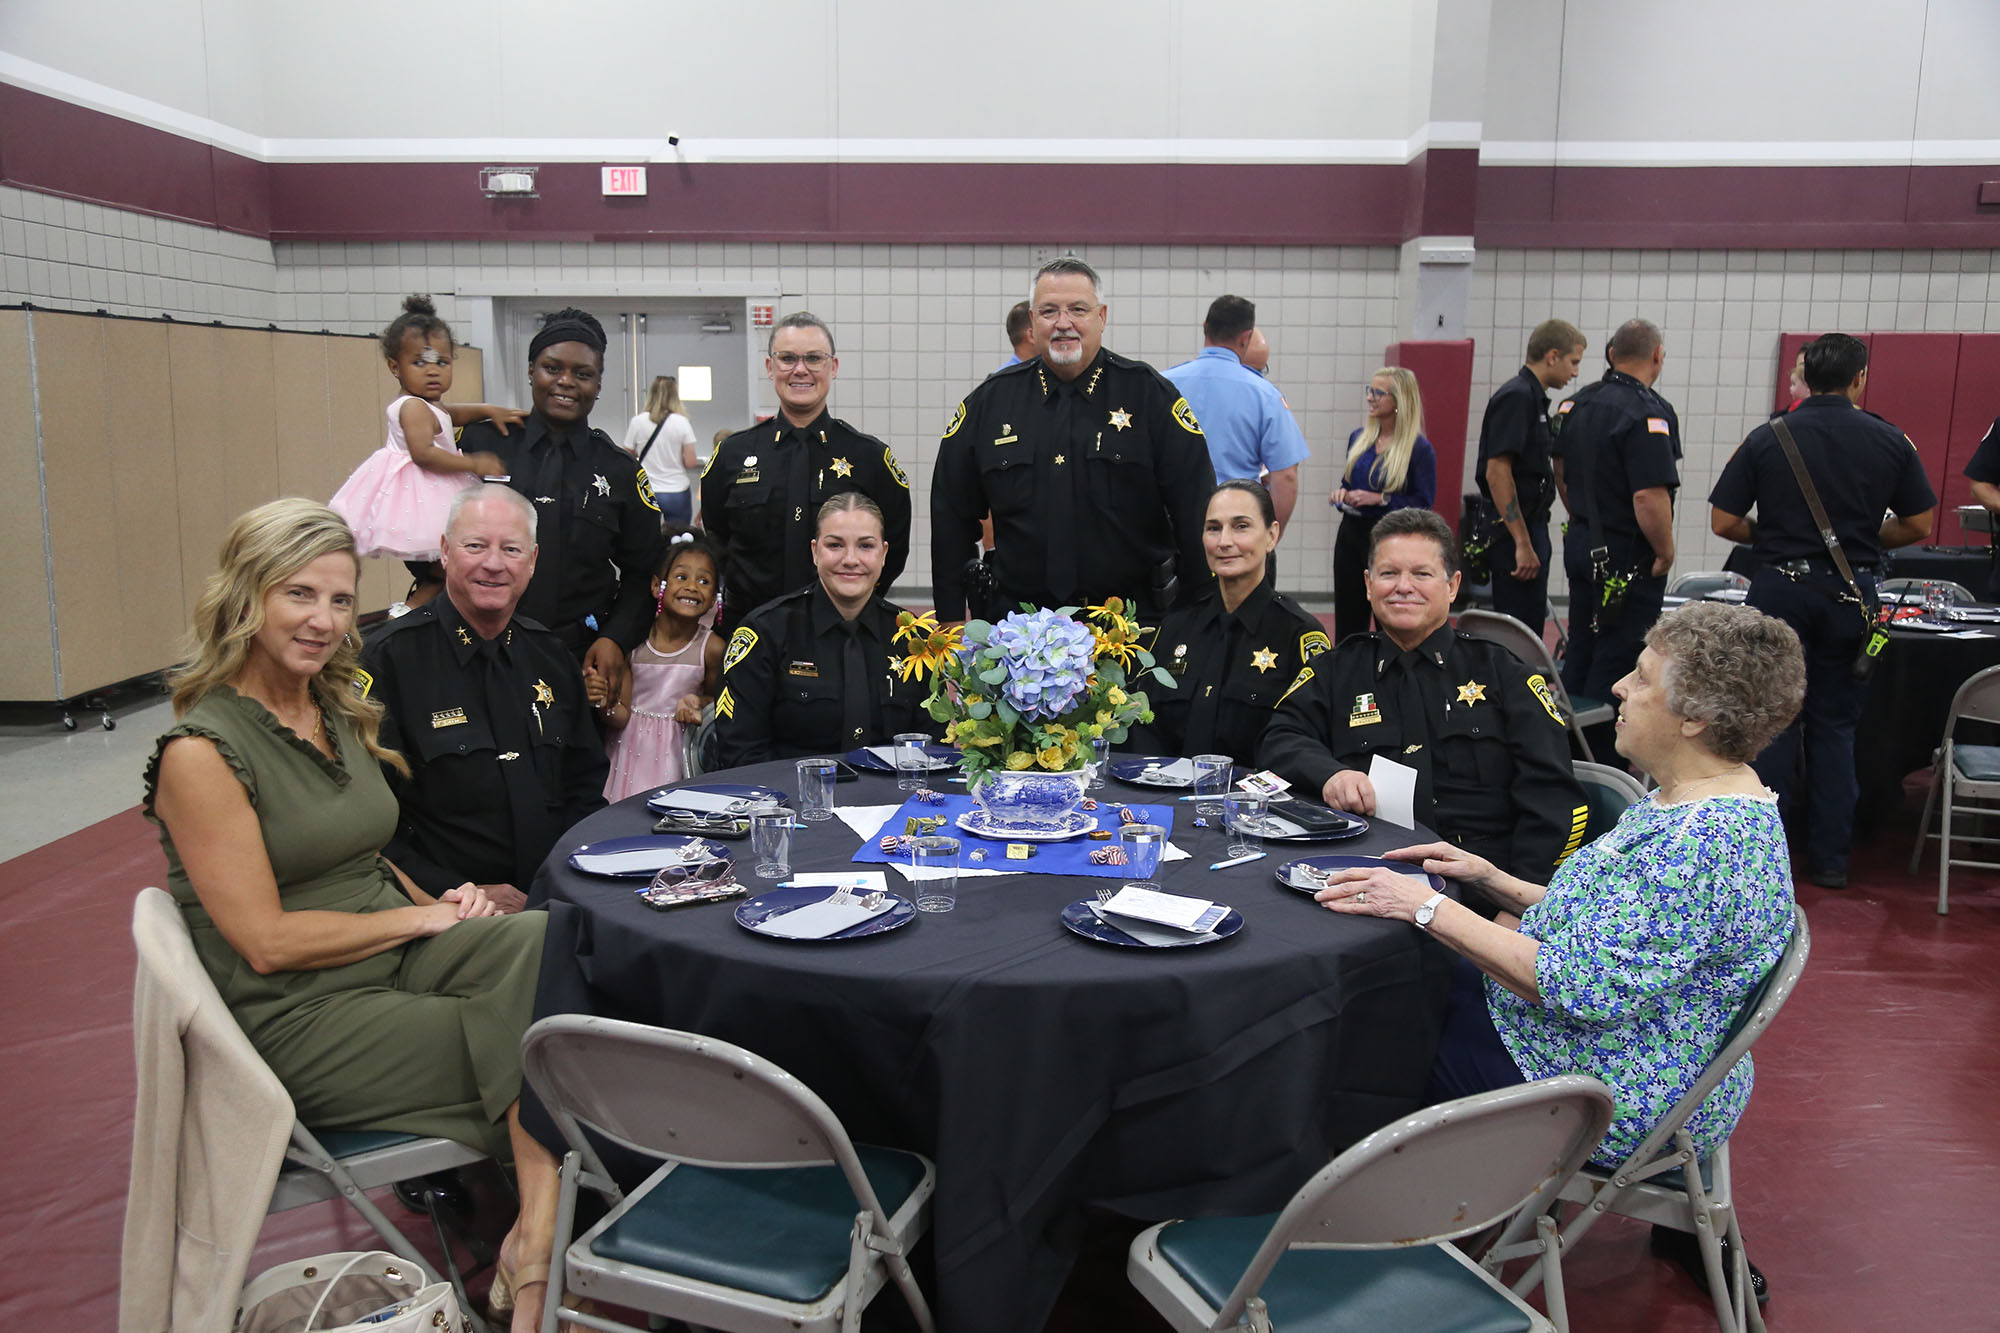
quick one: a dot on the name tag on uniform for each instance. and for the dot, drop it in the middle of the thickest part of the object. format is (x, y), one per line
(450, 717)
(803, 669)
(1007, 439)
(742, 477)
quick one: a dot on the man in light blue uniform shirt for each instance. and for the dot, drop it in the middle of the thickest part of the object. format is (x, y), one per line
(1021, 334)
(1249, 428)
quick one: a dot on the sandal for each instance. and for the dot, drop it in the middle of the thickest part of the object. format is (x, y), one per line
(507, 1281)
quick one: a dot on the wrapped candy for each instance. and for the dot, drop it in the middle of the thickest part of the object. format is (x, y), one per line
(1126, 815)
(1088, 804)
(892, 842)
(1108, 856)
(926, 796)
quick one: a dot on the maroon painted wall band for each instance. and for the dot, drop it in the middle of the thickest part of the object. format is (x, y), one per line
(61, 148)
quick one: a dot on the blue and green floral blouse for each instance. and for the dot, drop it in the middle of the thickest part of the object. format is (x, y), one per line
(1651, 938)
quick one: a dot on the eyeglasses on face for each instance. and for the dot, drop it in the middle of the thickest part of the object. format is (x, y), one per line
(1372, 393)
(810, 360)
(1078, 310)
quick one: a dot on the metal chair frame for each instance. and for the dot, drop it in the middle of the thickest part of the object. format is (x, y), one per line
(1960, 594)
(1529, 649)
(691, 1099)
(1434, 1176)
(1976, 700)
(1637, 1187)
(1697, 582)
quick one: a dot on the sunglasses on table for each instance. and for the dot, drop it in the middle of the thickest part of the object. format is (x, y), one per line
(695, 882)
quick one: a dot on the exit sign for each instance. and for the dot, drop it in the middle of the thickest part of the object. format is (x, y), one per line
(624, 180)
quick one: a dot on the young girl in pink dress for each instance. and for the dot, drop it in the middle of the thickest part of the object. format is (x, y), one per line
(674, 672)
(397, 499)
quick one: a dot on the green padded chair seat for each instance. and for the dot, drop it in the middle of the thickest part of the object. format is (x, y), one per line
(353, 1142)
(780, 1233)
(1977, 763)
(1417, 1288)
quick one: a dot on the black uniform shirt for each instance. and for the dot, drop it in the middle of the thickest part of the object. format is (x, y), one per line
(1985, 463)
(761, 493)
(1516, 424)
(474, 718)
(1094, 485)
(1230, 670)
(1485, 734)
(1859, 464)
(596, 523)
(784, 681)
(1616, 437)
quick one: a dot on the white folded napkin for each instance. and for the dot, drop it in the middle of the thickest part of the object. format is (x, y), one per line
(816, 921)
(887, 754)
(708, 802)
(1177, 773)
(1158, 937)
(1166, 909)
(667, 852)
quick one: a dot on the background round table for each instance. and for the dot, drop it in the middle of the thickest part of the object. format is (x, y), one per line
(1909, 697)
(1044, 1073)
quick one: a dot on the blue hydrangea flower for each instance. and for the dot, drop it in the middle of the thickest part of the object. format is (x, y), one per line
(1048, 661)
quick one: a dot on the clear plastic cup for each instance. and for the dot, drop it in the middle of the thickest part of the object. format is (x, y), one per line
(934, 863)
(771, 840)
(1244, 817)
(1211, 778)
(1144, 844)
(913, 762)
(816, 777)
(1100, 755)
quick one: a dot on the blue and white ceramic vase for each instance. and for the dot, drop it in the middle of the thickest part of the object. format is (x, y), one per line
(1030, 800)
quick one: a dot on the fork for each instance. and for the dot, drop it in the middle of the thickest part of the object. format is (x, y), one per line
(841, 896)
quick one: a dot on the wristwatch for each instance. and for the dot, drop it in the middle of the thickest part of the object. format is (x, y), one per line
(1427, 910)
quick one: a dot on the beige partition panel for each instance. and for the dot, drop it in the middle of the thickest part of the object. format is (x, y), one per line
(200, 466)
(139, 409)
(27, 649)
(76, 463)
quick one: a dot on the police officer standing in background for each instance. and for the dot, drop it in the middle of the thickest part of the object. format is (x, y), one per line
(1984, 474)
(1617, 456)
(1859, 464)
(1092, 465)
(1515, 476)
(598, 524)
(1246, 421)
(762, 488)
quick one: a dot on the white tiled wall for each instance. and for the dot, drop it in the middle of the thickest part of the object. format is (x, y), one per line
(78, 256)
(920, 325)
(1721, 312)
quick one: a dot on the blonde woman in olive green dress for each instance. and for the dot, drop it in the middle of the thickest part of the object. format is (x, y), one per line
(376, 1005)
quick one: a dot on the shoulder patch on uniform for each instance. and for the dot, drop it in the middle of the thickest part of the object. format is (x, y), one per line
(1185, 415)
(646, 492)
(1540, 685)
(363, 682)
(1312, 643)
(1562, 408)
(725, 703)
(957, 420)
(1305, 674)
(889, 457)
(457, 434)
(740, 644)
(1658, 426)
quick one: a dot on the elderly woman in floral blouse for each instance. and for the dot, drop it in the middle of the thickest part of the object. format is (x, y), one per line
(1631, 965)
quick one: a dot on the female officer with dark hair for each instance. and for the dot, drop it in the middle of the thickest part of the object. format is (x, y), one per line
(1233, 653)
(597, 524)
(808, 672)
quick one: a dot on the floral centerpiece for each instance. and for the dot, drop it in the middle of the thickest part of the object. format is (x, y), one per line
(1025, 695)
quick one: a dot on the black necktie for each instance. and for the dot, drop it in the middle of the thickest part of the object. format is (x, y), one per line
(1415, 723)
(513, 714)
(544, 602)
(1064, 467)
(857, 701)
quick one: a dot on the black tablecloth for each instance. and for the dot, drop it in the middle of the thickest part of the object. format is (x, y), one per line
(1909, 697)
(1042, 1072)
(1971, 566)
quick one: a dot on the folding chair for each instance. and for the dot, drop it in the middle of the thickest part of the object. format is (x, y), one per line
(1533, 653)
(1701, 582)
(694, 742)
(1958, 593)
(332, 1164)
(1654, 1184)
(1608, 793)
(765, 1216)
(1362, 1245)
(1968, 771)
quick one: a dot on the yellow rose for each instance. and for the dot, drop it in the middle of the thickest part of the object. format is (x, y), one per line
(1116, 697)
(1052, 759)
(1019, 760)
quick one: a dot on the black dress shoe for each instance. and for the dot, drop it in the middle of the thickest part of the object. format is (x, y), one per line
(1828, 877)
(1683, 1248)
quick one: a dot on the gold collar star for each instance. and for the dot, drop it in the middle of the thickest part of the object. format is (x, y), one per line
(1060, 460)
(463, 637)
(1264, 659)
(842, 468)
(1472, 692)
(1121, 418)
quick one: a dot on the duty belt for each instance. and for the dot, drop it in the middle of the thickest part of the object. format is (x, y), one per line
(1807, 565)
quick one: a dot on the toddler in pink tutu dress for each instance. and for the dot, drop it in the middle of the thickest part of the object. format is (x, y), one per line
(673, 677)
(397, 500)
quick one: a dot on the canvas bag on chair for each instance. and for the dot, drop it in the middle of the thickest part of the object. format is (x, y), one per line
(330, 1292)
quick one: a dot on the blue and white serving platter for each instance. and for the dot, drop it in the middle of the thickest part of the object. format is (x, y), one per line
(747, 793)
(666, 846)
(1079, 919)
(1287, 877)
(776, 902)
(1072, 825)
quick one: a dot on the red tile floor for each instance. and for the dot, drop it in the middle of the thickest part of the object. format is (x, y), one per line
(1868, 1165)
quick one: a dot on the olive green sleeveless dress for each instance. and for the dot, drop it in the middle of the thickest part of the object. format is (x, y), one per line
(423, 1038)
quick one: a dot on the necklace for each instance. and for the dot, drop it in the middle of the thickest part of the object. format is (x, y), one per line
(1682, 789)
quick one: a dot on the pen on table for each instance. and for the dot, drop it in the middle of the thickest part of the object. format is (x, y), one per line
(1238, 861)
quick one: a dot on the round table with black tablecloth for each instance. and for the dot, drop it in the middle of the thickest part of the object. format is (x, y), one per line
(1909, 697)
(1044, 1073)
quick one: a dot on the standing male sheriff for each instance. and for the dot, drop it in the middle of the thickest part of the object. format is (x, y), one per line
(1092, 465)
